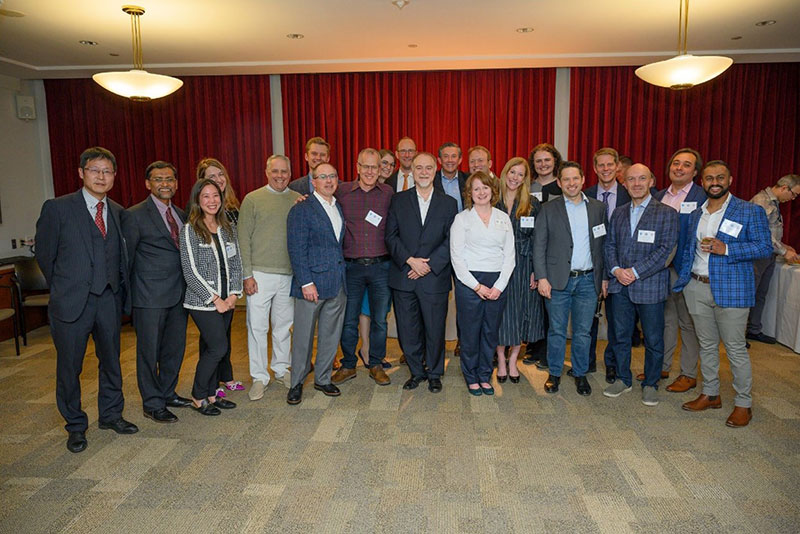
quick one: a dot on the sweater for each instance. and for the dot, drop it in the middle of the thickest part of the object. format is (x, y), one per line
(262, 231)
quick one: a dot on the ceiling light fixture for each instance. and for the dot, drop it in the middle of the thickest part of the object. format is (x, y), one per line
(766, 23)
(137, 84)
(295, 35)
(525, 30)
(400, 4)
(87, 42)
(684, 70)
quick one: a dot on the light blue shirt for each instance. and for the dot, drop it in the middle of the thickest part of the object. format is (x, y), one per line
(578, 215)
(636, 212)
(91, 205)
(452, 189)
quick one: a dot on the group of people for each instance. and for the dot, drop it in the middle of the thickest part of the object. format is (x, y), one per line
(526, 253)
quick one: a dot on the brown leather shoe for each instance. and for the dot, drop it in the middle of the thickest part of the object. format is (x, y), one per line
(640, 376)
(682, 383)
(343, 375)
(379, 375)
(739, 417)
(703, 402)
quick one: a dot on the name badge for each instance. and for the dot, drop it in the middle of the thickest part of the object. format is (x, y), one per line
(526, 222)
(730, 227)
(599, 230)
(230, 249)
(537, 195)
(688, 207)
(373, 218)
(647, 236)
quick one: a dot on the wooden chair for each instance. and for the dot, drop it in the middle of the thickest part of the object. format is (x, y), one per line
(31, 286)
(11, 313)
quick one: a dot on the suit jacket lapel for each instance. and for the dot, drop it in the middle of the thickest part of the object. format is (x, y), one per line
(155, 218)
(84, 220)
(561, 208)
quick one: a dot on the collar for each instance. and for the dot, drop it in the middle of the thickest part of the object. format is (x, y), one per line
(453, 179)
(612, 189)
(771, 195)
(91, 202)
(323, 201)
(724, 205)
(568, 201)
(162, 208)
(643, 204)
(686, 188)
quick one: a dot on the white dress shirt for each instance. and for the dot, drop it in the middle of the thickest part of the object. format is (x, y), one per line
(424, 205)
(401, 179)
(708, 227)
(475, 246)
(333, 213)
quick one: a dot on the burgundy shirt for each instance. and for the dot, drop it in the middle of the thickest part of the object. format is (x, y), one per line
(362, 239)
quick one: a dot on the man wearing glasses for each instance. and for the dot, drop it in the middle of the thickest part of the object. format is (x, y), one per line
(81, 252)
(151, 230)
(403, 177)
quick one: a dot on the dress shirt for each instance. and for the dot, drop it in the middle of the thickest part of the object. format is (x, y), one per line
(767, 200)
(91, 205)
(477, 247)
(401, 179)
(636, 212)
(332, 212)
(578, 215)
(162, 210)
(707, 227)
(673, 198)
(424, 205)
(611, 200)
(451, 187)
(362, 239)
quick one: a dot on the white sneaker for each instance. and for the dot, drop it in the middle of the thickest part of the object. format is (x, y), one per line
(649, 396)
(616, 389)
(256, 390)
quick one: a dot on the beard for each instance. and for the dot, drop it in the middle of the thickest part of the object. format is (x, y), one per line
(721, 193)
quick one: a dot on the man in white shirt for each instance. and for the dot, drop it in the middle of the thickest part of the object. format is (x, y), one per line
(403, 178)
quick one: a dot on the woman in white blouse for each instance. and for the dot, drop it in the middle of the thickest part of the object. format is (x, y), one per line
(483, 257)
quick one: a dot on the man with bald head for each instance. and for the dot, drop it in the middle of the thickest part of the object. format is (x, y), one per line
(639, 247)
(403, 178)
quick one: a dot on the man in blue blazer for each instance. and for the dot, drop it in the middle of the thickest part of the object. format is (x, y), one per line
(450, 180)
(314, 235)
(726, 235)
(151, 230)
(81, 251)
(318, 151)
(639, 247)
(684, 196)
(418, 239)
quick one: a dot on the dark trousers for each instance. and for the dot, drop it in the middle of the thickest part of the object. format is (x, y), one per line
(224, 372)
(764, 269)
(214, 345)
(652, 318)
(420, 321)
(480, 321)
(359, 278)
(608, 356)
(160, 344)
(101, 318)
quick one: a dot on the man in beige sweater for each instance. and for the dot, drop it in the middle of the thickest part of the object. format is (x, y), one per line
(267, 274)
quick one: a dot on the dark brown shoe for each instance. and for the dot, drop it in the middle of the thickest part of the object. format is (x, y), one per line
(739, 417)
(703, 402)
(640, 376)
(682, 384)
(380, 377)
(343, 375)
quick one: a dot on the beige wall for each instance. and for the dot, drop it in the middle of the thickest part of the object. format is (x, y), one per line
(26, 177)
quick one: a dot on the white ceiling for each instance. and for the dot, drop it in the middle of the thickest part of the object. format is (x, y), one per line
(185, 37)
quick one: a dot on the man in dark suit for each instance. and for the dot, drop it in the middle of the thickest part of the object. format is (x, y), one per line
(151, 231)
(420, 271)
(612, 194)
(639, 247)
(450, 180)
(314, 235)
(570, 277)
(318, 151)
(81, 251)
(403, 178)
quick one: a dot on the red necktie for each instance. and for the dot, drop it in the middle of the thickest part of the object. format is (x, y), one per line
(173, 226)
(98, 219)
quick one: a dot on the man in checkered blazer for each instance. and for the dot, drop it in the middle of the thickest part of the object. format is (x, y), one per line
(717, 274)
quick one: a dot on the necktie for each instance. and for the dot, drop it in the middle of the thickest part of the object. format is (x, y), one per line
(605, 201)
(405, 182)
(173, 227)
(98, 219)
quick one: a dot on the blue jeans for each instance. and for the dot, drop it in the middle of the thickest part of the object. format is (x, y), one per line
(359, 278)
(652, 318)
(580, 298)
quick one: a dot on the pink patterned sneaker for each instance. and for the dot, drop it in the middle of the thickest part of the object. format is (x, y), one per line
(234, 386)
(220, 393)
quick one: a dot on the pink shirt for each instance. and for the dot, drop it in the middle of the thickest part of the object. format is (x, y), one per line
(674, 200)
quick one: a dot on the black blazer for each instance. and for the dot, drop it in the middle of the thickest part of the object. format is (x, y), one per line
(462, 182)
(407, 237)
(154, 260)
(391, 181)
(65, 254)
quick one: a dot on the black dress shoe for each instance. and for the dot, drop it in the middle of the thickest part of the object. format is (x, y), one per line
(76, 442)
(413, 382)
(179, 402)
(530, 359)
(435, 385)
(162, 415)
(551, 385)
(207, 408)
(582, 385)
(120, 426)
(502, 378)
(611, 374)
(761, 337)
(225, 404)
(328, 389)
(571, 373)
(295, 395)
(514, 379)
(542, 364)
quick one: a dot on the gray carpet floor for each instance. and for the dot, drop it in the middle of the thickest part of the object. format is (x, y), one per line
(380, 459)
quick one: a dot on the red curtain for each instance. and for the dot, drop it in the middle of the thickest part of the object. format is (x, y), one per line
(225, 117)
(508, 111)
(747, 117)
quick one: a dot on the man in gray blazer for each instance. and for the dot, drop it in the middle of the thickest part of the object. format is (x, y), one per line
(151, 231)
(568, 263)
(81, 251)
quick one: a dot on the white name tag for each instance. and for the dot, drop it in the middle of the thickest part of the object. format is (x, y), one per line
(688, 207)
(537, 195)
(730, 227)
(526, 222)
(373, 218)
(599, 230)
(647, 236)
(230, 249)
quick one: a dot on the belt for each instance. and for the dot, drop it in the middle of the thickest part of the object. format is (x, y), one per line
(575, 274)
(369, 261)
(699, 278)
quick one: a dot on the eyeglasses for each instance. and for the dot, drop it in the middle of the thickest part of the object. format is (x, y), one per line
(387, 163)
(158, 180)
(332, 176)
(96, 171)
(407, 151)
(368, 167)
